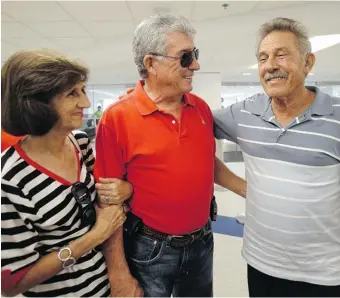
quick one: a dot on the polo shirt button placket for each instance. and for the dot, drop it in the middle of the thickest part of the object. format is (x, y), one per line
(176, 122)
(280, 133)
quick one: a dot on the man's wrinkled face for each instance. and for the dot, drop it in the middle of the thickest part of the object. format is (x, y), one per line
(169, 71)
(282, 68)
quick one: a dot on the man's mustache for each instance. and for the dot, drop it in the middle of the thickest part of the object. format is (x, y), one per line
(275, 75)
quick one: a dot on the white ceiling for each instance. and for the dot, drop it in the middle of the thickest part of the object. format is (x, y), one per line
(100, 33)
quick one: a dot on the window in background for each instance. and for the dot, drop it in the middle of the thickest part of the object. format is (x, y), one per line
(88, 124)
(231, 94)
(336, 90)
(100, 96)
(104, 95)
(333, 90)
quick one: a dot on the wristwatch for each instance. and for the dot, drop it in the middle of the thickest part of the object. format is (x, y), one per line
(68, 261)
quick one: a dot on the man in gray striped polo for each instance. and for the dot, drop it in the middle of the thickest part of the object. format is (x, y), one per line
(290, 138)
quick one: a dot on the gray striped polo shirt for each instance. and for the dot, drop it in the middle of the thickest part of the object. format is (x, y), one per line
(292, 228)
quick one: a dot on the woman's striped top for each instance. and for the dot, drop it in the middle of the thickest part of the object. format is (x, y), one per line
(39, 215)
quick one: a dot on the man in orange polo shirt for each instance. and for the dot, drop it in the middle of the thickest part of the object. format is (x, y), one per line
(160, 139)
(8, 140)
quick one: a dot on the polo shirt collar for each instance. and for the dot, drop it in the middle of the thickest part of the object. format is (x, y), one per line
(144, 103)
(321, 106)
(188, 100)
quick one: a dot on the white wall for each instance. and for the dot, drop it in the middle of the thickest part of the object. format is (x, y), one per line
(207, 85)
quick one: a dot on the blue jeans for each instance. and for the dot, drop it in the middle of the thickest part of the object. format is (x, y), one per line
(163, 270)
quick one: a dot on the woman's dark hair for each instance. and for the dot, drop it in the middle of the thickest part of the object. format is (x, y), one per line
(29, 81)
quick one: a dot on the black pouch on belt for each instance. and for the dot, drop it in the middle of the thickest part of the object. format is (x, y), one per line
(130, 229)
(213, 209)
(132, 224)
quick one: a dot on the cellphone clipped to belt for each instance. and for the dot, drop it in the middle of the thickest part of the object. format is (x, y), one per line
(213, 209)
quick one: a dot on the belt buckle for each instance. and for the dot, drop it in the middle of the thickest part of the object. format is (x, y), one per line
(185, 239)
(178, 241)
(190, 238)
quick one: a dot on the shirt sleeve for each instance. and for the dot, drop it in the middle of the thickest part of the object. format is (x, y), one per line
(19, 238)
(225, 124)
(8, 140)
(211, 120)
(109, 155)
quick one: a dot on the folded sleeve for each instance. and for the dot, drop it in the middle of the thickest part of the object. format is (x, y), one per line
(225, 123)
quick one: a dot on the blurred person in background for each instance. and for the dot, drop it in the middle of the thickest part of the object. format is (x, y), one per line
(98, 114)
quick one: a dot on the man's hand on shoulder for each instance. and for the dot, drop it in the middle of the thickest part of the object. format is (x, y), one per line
(128, 91)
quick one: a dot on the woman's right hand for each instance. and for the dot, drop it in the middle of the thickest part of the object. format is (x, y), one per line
(109, 219)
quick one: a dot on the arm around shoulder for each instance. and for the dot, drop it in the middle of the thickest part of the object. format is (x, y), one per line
(225, 123)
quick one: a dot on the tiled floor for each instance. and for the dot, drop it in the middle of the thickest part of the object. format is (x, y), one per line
(230, 278)
(229, 268)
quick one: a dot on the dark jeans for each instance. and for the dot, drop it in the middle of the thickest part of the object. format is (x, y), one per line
(263, 285)
(163, 271)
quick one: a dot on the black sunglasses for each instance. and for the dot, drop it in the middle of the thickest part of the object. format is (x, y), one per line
(186, 58)
(83, 196)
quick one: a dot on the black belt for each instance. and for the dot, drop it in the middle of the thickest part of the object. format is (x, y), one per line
(176, 241)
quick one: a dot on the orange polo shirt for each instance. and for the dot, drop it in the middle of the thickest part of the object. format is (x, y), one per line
(8, 140)
(170, 163)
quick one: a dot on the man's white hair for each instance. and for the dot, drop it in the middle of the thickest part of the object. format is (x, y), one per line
(151, 37)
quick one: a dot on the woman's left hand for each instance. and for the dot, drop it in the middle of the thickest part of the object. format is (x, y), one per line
(113, 191)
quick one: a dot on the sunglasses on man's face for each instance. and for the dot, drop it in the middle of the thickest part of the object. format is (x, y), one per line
(186, 58)
(83, 196)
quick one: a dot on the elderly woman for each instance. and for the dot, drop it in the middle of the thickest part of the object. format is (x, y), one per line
(50, 229)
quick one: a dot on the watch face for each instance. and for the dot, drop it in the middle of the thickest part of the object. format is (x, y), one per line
(64, 253)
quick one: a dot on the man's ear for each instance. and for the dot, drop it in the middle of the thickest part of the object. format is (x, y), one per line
(149, 64)
(310, 61)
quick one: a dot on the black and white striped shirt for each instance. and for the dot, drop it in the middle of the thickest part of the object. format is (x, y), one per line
(40, 215)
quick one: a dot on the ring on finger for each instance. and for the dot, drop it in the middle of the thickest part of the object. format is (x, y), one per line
(106, 199)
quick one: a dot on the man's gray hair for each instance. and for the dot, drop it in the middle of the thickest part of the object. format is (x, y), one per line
(286, 25)
(151, 37)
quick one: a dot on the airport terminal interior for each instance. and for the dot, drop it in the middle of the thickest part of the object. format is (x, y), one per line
(99, 34)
